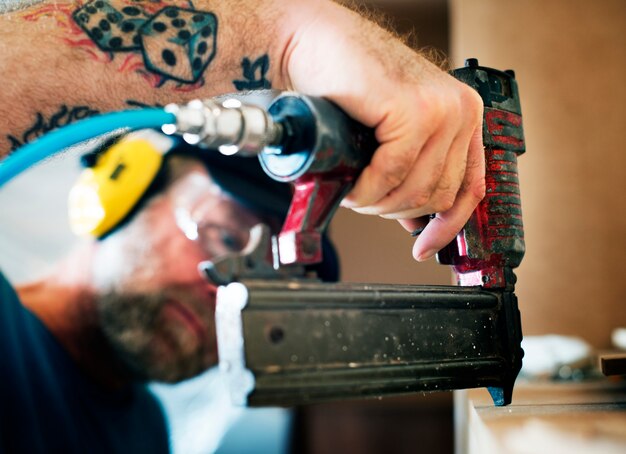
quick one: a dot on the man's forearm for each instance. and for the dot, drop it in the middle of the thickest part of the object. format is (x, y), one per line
(64, 61)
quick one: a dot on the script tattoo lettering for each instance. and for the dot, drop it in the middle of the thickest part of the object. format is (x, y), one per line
(64, 116)
(254, 74)
(141, 105)
(174, 43)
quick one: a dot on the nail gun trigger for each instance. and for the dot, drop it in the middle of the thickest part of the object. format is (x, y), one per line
(426, 219)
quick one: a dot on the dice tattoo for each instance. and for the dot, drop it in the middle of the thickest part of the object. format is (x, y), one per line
(110, 29)
(179, 43)
(176, 43)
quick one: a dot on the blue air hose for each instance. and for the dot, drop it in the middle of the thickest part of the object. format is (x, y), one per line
(67, 136)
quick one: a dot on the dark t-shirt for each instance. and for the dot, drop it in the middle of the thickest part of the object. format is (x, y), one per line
(48, 405)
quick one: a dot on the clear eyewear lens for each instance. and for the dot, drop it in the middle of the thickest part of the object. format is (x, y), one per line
(196, 200)
(218, 240)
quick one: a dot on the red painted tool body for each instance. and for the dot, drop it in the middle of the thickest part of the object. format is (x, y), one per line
(493, 238)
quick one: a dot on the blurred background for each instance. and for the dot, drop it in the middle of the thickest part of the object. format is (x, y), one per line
(570, 59)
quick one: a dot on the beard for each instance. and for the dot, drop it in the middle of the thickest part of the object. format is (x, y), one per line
(167, 336)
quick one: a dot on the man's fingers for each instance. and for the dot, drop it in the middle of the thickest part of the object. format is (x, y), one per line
(467, 145)
(413, 196)
(389, 167)
(455, 172)
(444, 227)
(449, 182)
(403, 138)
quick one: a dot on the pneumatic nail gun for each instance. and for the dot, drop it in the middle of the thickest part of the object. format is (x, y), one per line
(285, 338)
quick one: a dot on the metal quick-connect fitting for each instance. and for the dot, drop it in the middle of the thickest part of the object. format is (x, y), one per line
(230, 127)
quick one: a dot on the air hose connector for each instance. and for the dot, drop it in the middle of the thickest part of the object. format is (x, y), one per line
(229, 126)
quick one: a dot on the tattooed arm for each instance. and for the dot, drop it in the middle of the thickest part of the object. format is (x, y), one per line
(61, 60)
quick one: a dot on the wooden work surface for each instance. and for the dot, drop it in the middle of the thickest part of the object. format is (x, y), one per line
(550, 418)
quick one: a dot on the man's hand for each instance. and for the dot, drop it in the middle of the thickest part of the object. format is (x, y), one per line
(429, 124)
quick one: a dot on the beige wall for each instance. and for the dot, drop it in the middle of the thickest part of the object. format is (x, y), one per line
(378, 250)
(570, 61)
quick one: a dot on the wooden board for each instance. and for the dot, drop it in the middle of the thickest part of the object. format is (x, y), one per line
(556, 418)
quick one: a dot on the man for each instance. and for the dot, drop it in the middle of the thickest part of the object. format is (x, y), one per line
(87, 57)
(128, 308)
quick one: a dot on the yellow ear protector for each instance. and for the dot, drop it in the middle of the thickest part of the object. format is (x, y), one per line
(108, 190)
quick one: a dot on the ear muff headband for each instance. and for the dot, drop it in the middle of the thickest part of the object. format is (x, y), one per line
(106, 192)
